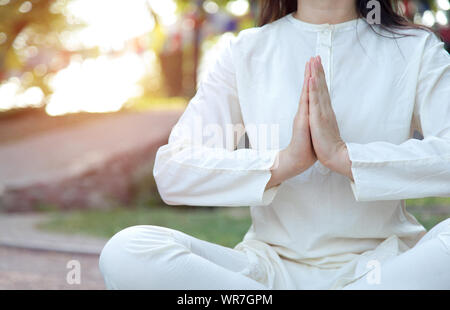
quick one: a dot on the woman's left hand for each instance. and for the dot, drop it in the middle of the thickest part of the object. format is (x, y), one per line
(330, 149)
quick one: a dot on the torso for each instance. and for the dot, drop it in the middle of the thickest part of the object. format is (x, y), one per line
(372, 82)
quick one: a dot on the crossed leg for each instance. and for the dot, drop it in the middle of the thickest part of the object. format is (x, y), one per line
(155, 257)
(424, 266)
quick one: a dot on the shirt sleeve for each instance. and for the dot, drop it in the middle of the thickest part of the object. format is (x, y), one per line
(201, 165)
(414, 168)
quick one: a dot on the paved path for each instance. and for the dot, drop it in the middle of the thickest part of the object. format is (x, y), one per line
(56, 155)
(19, 230)
(31, 270)
(34, 259)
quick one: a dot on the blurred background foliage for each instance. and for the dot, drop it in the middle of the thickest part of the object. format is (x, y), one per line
(52, 50)
(49, 47)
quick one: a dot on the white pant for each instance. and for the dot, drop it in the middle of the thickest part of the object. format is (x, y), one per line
(155, 257)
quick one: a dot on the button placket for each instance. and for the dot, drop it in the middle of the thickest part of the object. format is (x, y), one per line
(324, 50)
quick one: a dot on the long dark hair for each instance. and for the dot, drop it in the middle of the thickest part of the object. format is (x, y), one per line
(390, 15)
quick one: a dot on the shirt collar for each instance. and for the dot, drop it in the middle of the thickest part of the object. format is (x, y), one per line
(351, 24)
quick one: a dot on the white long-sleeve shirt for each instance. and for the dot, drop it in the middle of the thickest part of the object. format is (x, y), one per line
(381, 89)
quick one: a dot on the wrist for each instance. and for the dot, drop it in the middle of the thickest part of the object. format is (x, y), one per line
(288, 166)
(341, 162)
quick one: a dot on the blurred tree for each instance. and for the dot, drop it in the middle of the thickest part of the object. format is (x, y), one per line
(38, 24)
(16, 15)
(197, 12)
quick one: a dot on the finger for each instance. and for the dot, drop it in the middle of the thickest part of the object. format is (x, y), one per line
(313, 67)
(319, 59)
(322, 82)
(308, 69)
(320, 70)
(313, 103)
(306, 79)
(313, 95)
(307, 97)
(304, 94)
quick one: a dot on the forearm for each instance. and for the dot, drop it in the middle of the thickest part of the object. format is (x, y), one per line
(202, 176)
(412, 169)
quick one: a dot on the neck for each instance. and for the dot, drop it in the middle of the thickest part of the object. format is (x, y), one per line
(326, 11)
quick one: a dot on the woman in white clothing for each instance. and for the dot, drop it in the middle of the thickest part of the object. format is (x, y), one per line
(329, 99)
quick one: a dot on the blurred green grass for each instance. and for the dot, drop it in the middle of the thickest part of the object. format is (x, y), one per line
(429, 220)
(225, 226)
(429, 211)
(429, 201)
(222, 225)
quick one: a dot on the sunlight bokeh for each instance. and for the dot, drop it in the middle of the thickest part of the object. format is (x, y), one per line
(109, 23)
(101, 84)
(12, 95)
(72, 56)
(105, 83)
(119, 30)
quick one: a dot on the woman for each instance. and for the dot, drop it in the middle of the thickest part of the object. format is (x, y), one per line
(327, 196)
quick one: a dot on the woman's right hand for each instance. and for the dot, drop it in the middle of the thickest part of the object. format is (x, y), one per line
(299, 155)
